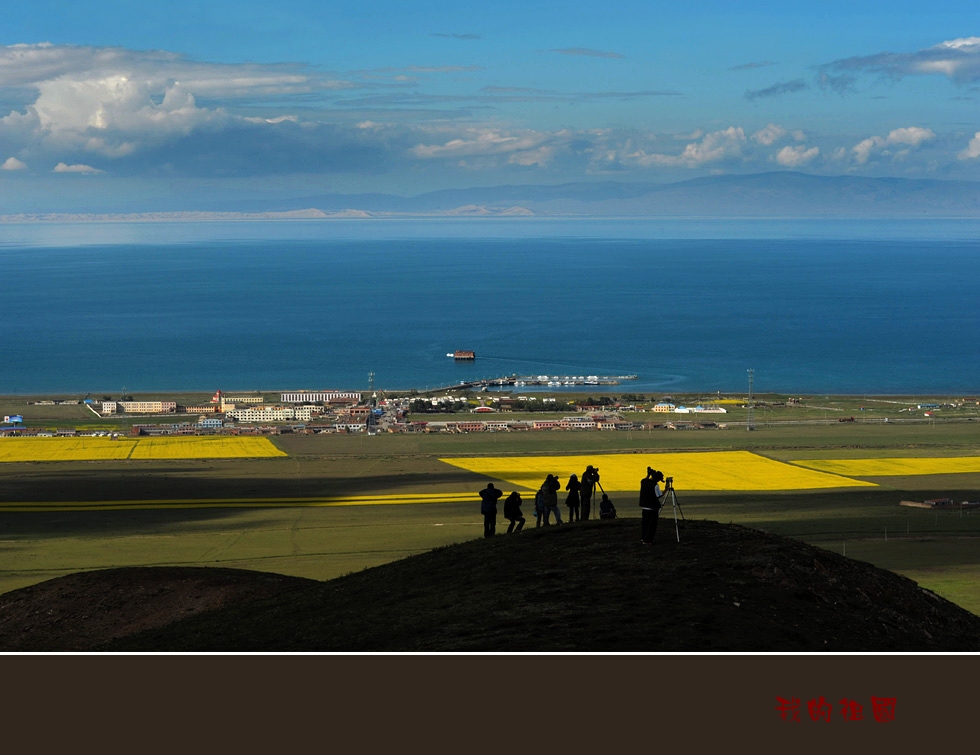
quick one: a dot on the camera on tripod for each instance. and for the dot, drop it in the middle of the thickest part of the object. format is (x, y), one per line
(670, 495)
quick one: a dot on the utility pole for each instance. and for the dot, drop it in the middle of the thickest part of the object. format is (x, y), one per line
(750, 407)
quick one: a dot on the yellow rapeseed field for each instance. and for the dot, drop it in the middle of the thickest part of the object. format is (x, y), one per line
(64, 449)
(897, 467)
(95, 449)
(719, 470)
(204, 447)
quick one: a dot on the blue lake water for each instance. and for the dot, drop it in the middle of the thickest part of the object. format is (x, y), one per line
(810, 306)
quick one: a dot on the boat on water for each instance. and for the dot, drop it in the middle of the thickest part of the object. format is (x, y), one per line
(462, 354)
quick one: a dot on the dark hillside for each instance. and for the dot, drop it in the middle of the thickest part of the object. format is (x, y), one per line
(579, 587)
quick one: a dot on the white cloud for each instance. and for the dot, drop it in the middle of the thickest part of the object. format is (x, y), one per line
(113, 102)
(278, 119)
(12, 163)
(76, 168)
(862, 150)
(113, 115)
(481, 143)
(540, 156)
(793, 157)
(696, 134)
(951, 58)
(718, 145)
(770, 134)
(957, 59)
(912, 136)
(972, 150)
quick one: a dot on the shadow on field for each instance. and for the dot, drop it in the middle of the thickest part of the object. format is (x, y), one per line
(53, 525)
(150, 485)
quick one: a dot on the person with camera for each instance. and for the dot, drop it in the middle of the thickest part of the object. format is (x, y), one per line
(650, 496)
(488, 507)
(512, 512)
(573, 500)
(590, 478)
(549, 494)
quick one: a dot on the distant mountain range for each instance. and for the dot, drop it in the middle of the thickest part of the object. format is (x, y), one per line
(776, 194)
(783, 194)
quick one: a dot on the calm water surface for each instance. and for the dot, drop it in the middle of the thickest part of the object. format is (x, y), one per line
(811, 307)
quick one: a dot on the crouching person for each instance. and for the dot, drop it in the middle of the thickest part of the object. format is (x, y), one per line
(606, 508)
(512, 512)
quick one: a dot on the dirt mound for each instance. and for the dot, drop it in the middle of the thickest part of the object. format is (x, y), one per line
(579, 587)
(84, 611)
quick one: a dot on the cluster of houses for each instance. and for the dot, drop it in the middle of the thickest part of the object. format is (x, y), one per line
(300, 406)
(19, 431)
(373, 426)
(667, 407)
(346, 412)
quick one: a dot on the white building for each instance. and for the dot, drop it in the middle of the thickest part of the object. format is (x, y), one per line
(320, 397)
(139, 407)
(272, 414)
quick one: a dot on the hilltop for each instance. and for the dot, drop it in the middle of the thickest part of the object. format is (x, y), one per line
(588, 587)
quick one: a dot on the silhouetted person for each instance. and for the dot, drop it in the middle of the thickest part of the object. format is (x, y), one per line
(488, 508)
(539, 507)
(573, 501)
(606, 508)
(650, 496)
(512, 511)
(549, 495)
(590, 477)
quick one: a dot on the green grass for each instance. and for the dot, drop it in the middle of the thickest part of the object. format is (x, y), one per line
(937, 549)
(944, 564)
(319, 543)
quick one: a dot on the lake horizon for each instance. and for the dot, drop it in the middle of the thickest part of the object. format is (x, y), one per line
(812, 306)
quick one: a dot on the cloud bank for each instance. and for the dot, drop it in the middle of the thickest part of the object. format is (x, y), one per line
(154, 115)
(956, 59)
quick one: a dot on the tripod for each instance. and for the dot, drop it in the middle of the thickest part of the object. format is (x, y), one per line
(669, 491)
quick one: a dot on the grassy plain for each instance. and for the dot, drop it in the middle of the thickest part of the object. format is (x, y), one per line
(248, 513)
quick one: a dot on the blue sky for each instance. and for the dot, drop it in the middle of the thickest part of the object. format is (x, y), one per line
(108, 106)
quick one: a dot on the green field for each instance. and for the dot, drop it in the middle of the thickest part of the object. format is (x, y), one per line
(279, 534)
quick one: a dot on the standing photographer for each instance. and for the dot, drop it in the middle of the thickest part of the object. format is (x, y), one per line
(573, 501)
(488, 507)
(650, 496)
(549, 495)
(590, 478)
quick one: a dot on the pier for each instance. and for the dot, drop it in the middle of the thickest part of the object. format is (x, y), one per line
(546, 381)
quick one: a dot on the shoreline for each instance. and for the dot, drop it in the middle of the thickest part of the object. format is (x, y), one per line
(577, 390)
(465, 411)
